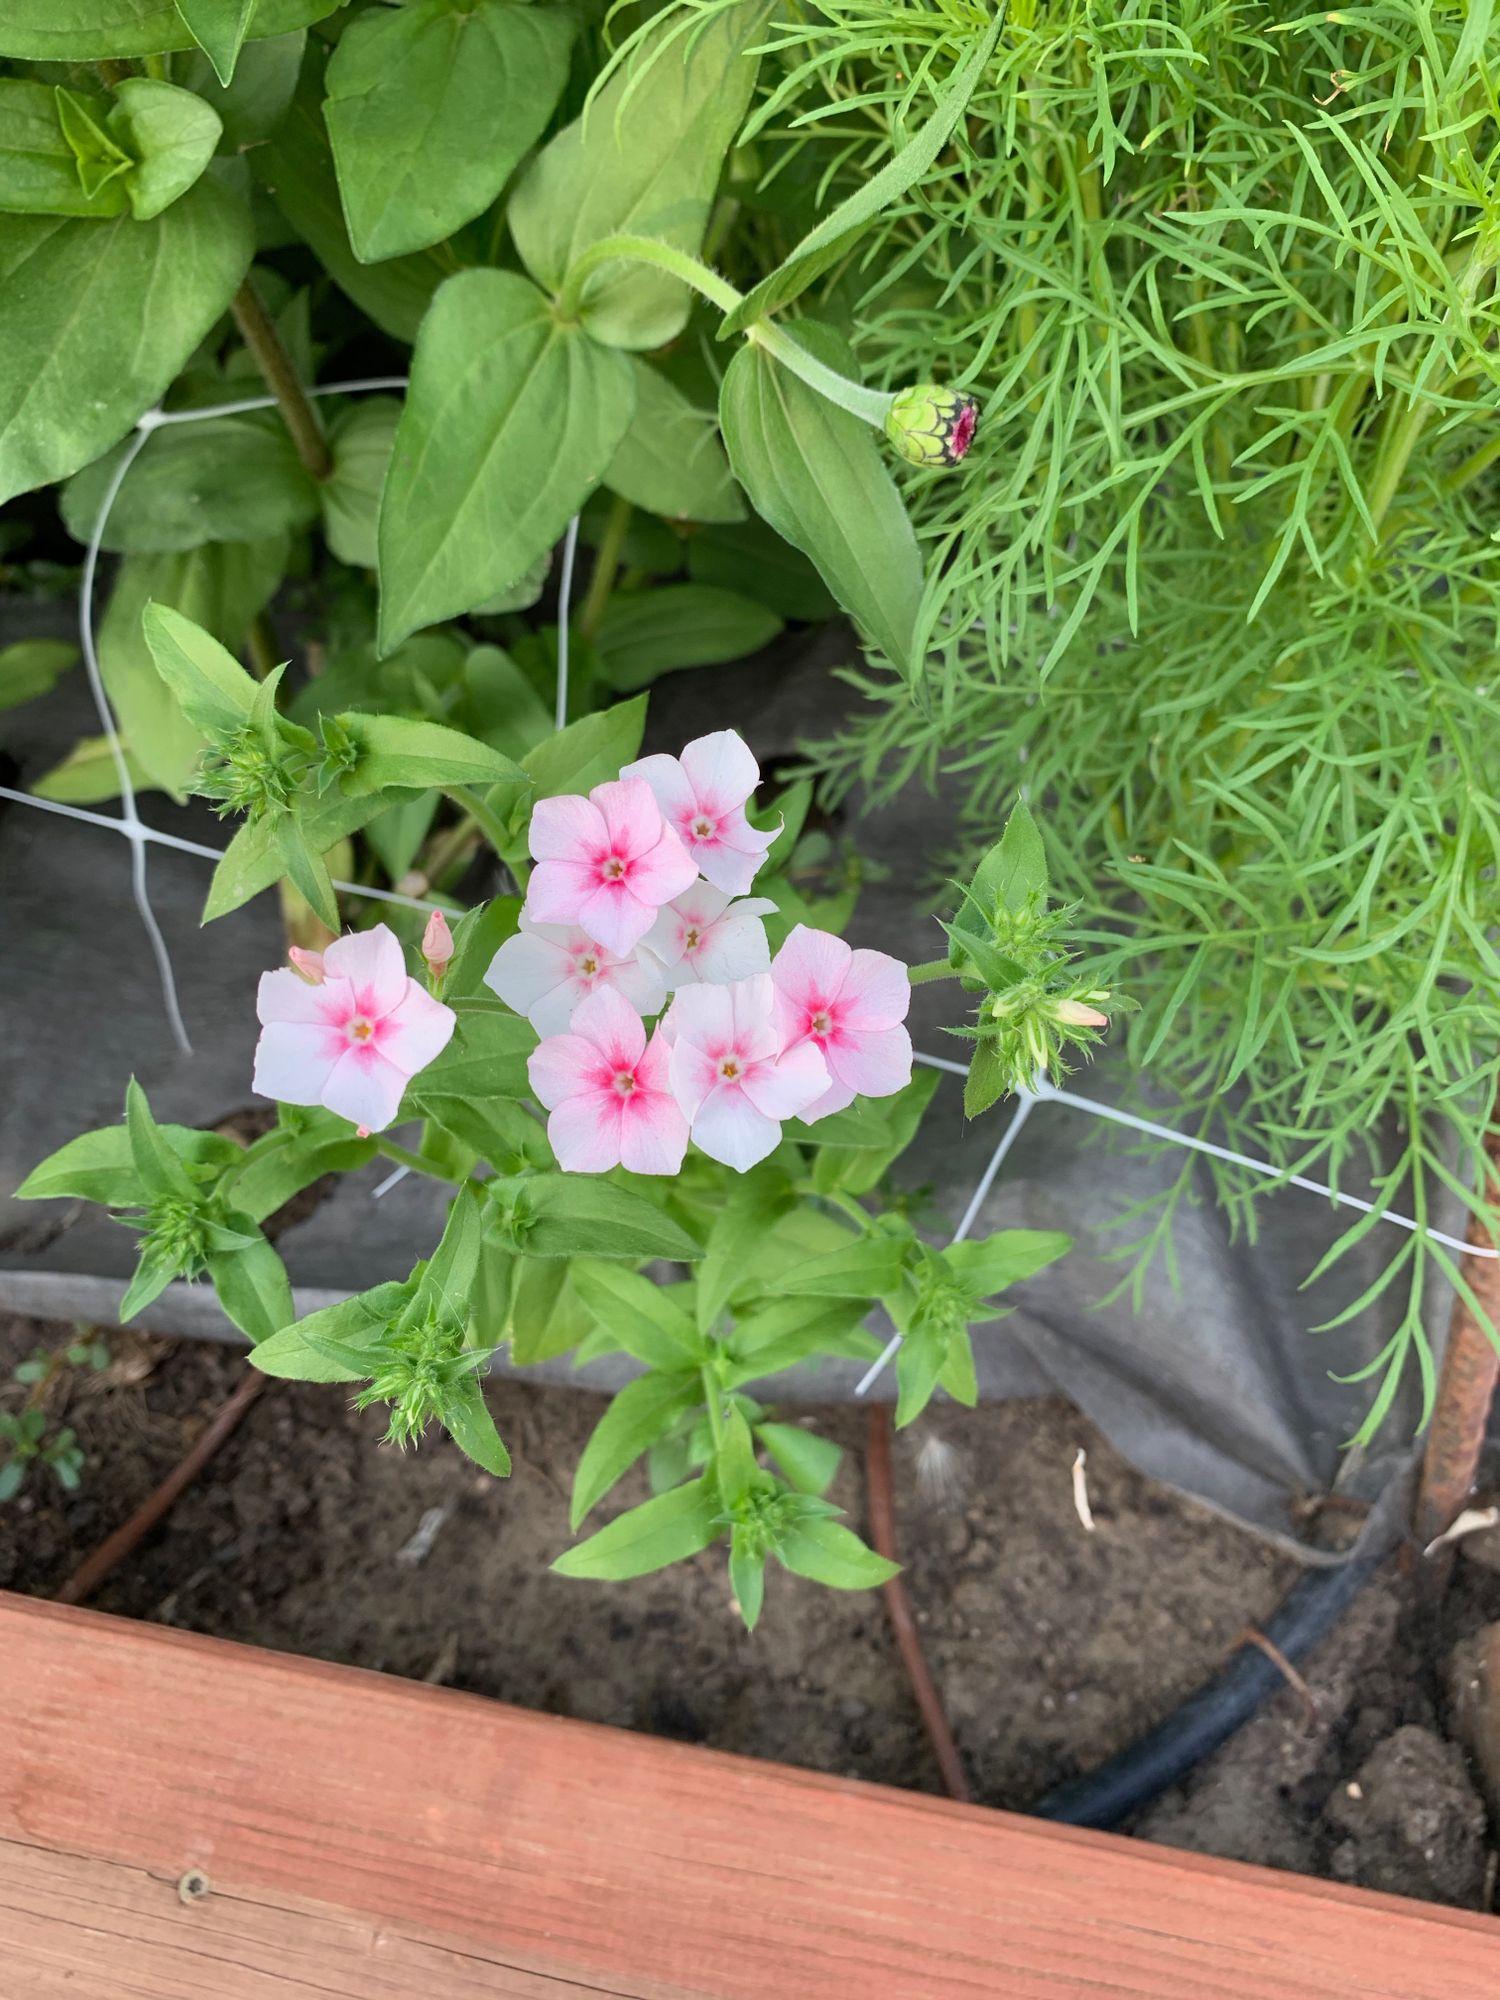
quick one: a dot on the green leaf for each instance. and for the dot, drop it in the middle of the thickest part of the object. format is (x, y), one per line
(449, 1277)
(307, 1143)
(252, 861)
(486, 1056)
(99, 1166)
(1011, 874)
(89, 773)
(31, 666)
(568, 1215)
(546, 1315)
(817, 476)
(860, 1169)
(219, 28)
(638, 1415)
(734, 1460)
(338, 1344)
(987, 1081)
(650, 632)
(665, 1530)
(296, 170)
(253, 1288)
(172, 135)
(670, 461)
(38, 168)
(920, 1360)
(254, 104)
(219, 587)
(837, 233)
(157, 1166)
(587, 752)
(360, 440)
(223, 479)
(755, 1201)
(476, 938)
(957, 1375)
(640, 1316)
(830, 1553)
(788, 1332)
(100, 159)
(867, 1267)
(88, 30)
(430, 110)
(467, 1420)
(993, 1263)
(643, 160)
(497, 1129)
(396, 750)
(98, 318)
(509, 424)
(212, 688)
(809, 1462)
(753, 560)
(501, 705)
(747, 1576)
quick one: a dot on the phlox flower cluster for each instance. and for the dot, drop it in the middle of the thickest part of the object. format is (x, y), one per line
(638, 907)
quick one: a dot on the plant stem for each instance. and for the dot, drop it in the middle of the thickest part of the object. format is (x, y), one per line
(113, 71)
(606, 567)
(260, 643)
(275, 364)
(489, 824)
(713, 1396)
(869, 405)
(403, 1156)
(935, 968)
(838, 1199)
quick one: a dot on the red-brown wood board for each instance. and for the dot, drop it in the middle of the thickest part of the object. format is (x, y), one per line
(371, 1839)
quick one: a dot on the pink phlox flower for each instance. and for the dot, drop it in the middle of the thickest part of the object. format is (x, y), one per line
(704, 935)
(606, 863)
(850, 1005)
(702, 797)
(353, 1041)
(729, 1072)
(608, 1093)
(545, 970)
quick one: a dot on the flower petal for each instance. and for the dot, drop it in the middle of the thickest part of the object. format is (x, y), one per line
(585, 1133)
(810, 966)
(837, 1097)
(613, 914)
(875, 1062)
(662, 871)
(653, 1134)
(729, 1129)
(754, 1004)
(727, 867)
(283, 996)
(608, 1020)
(375, 966)
(704, 1016)
(294, 1060)
(640, 981)
(785, 1088)
(876, 992)
(531, 973)
(721, 770)
(669, 785)
(694, 1075)
(733, 948)
(631, 816)
(365, 1088)
(565, 1066)
(558, 891)
(416, 1033)
(567, 829)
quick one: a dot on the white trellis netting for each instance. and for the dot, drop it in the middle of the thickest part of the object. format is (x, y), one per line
(141, 837)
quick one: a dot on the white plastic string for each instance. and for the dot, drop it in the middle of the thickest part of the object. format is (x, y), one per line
(564, 607)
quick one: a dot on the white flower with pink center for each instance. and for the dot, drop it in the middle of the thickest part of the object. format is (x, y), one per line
(704, 935)
(606, 863)
(607, 1090)
(545, 970)
(702, 798)
(349, 1030)
(850, 1005)
(729, 1073)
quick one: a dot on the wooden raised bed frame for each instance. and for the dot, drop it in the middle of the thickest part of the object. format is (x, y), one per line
(355, 1837)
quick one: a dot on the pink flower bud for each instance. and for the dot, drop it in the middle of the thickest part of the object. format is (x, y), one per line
(437, 944)
(1073, 1014)
(307, 964)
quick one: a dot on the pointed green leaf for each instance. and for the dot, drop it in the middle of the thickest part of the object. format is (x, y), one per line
(88, 30)
(99, 1166)
(219, 28)
(171, 135)
(38, 168)
(665, 1530)
(637, 1416)
(338, 1344)
(466, 1418)
(809, 1462)
(832, 1554)
(671, 461)
(253, 1288)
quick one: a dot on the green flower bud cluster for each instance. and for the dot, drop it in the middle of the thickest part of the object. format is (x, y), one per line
(417, 1372)
(930, 425)
(244, 773)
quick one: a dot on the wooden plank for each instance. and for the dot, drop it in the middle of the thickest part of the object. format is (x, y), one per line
(372, 1837)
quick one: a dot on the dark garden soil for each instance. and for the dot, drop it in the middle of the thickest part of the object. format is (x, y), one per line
(1052, 1646)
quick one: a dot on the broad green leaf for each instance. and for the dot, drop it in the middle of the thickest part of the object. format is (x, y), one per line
(509, 424)
(859, 1170)
(486, 1056)
(296, 169)
(98, 1166)
(449, 1276)
(476, 939)
(788, 1332)
(546, 1315)
(665, 1530)
(643, 160)
(650, 632)
(291, 1158)
(987, 1081)
(497, 1129)
(158, 1168)
(338, 1344)
(399, 750)
(90, 773)
(99, 157)
(588, 752)
(640, 1316)
(753, 560)
(219, 27)
(212, 688)
(467, 1420)
(360, 440)
(430, 110)
(992, 1263)
(747, 1576)
(251, 860)
(809, 1462)
(38, 168)
(817, 476)
(920, 1360)
(31, 666)
(501, 705)
(1012, 873)
(171, 135)
(734, 1460)
(97, 319)
(670, 461)
(88, 30)
(837, 233)
(832, 1554)
(958, 1375)
(265, 80)
(226, 479)
(867, 1267)
(579, 1215)
(637, 1416)
(219, 587)
(253, 1288)
(754, 1202)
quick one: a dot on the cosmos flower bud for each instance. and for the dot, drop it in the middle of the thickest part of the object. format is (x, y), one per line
(930, 425)
(437, 945)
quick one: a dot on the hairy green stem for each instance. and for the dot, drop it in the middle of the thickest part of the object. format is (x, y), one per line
(275, 364)
(474, 808)
(606, 567)
(713, 1396)
(403, 1156)
(935, 968)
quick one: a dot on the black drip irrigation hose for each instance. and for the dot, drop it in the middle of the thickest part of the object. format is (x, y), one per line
(1127, 1782)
